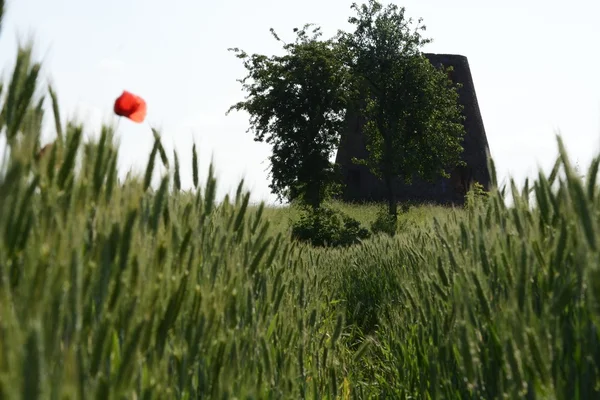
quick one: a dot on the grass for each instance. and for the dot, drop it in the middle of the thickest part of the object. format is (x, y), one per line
(116, 290)
(421, 216)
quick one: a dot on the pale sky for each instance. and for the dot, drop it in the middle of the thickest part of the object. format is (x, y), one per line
(535, 65)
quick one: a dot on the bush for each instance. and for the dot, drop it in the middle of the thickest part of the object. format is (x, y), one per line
(476, 196)
(327, 227)
(384, 223)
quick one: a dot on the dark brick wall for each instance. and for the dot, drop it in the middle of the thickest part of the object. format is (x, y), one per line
(361, 185)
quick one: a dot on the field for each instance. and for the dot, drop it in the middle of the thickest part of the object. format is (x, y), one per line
(116, 290)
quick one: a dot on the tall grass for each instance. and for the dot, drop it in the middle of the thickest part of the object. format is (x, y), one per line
(114, 289)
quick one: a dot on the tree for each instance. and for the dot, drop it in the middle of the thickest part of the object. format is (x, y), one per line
(297, 103)
(414, 122)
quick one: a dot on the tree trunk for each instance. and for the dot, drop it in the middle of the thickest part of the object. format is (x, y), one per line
(392, 204)
(391, 195)
(388, 156)
(313, 197)
(387, 174)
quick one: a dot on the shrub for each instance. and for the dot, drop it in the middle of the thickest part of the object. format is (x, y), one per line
(327, 227)
(384, 223)
(476, 196)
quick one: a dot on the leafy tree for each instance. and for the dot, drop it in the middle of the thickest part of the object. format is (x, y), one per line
(297, 104)
(414, 122)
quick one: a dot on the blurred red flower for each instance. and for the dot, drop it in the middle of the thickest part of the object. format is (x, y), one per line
(131, 106)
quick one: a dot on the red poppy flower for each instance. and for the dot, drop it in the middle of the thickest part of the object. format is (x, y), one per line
(131, 106)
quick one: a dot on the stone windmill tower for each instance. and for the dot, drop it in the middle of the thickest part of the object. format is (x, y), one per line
(361, 185)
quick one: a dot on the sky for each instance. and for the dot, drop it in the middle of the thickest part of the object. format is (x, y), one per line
(534, 64)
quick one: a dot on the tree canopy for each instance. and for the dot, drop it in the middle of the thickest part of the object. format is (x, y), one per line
(414, 119)
(298, 101)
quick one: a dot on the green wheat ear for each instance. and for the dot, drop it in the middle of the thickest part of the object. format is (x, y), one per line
(177, 177)
(33, 366)
(56, 113)
(150, 166)
(161, 149)
(195, 165)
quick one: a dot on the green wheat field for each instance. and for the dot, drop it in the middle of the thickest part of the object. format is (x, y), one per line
(117, 290)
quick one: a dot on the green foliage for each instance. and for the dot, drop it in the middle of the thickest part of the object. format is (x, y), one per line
(414, 121)
(328, 227)
(496, 303)
(297, 104)
(476, 196)
(366, 285)
(21, 111)
(117, 290)
(384, 223)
